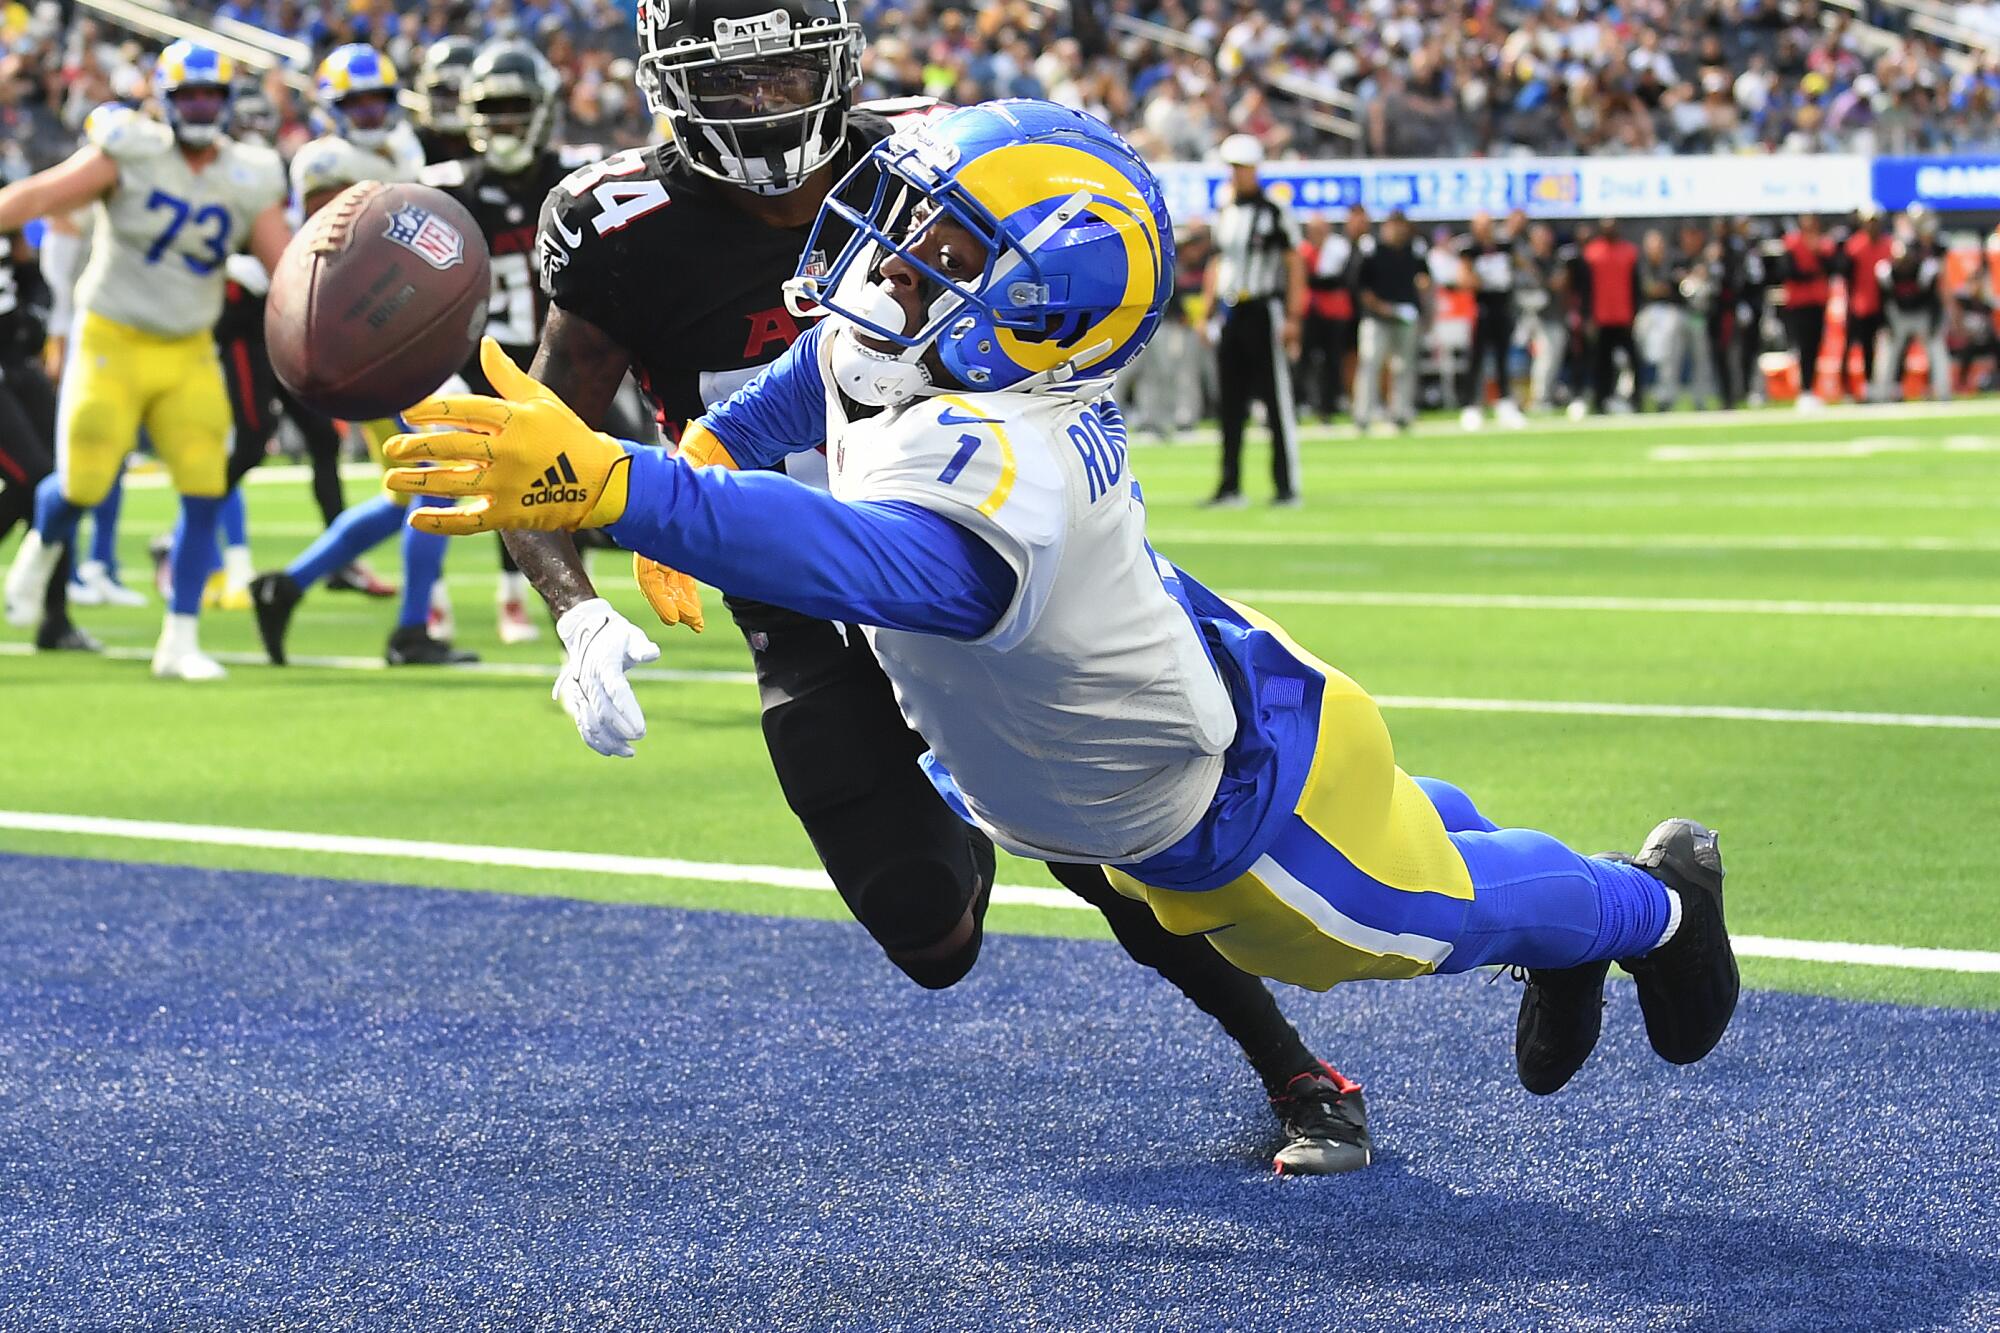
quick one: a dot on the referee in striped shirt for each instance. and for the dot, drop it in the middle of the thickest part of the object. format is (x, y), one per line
(1255, 288)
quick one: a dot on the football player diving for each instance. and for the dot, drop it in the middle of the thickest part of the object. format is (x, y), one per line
(1085, 701)
(173, 202)
(670, 262)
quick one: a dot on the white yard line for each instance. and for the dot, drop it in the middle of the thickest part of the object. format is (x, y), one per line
(1574, 541)
(788, 877)
(1865, 446)
(1420, 703)
(1750, 606)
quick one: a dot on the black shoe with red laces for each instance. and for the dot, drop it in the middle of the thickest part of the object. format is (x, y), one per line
(1326, 1124)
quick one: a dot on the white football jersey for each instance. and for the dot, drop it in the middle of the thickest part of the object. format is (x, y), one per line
(161, 238)
(332, 163)
(1089, 724)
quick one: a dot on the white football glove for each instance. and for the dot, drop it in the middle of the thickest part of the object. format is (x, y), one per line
(599, 647)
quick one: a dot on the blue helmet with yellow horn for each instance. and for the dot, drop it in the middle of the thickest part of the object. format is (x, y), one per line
(1079, 260)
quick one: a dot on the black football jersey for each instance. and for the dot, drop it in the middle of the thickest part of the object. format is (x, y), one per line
(656, 254)
(506, 209)
(24, 301)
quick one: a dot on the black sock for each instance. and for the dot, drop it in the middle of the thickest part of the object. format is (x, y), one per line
(1241, 1003)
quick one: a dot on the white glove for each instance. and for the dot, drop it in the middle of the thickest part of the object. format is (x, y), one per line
(248, 273)
(599, 647)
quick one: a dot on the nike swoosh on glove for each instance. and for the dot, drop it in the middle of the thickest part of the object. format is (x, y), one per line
(599, 647)
(522, 458)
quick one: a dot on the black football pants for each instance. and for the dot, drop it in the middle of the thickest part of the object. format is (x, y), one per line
(27, 454)
(908, 868)
(256, 401)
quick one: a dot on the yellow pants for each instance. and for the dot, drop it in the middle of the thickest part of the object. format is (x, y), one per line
(118, 379)
(1363, 882)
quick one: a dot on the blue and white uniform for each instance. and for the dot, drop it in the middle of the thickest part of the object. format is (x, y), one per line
(1087, 701)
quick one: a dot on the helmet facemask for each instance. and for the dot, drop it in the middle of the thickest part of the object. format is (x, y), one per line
(365, 118)
(509, 129)
(198, 113)
(763, 104)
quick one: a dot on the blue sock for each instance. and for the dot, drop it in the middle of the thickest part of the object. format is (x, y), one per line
(55, 517)
(1538, 904)
(1455, 808)
(423, 564)
(235, 519)
(195, 554)
(104, 525)
(359, 529)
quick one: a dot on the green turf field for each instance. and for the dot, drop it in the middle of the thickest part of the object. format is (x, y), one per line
(1837, 570)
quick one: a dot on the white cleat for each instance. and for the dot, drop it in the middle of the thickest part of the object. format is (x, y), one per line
(28, 580)
(101, 589)
(179, 655)
(187, 666)
(1471, 419)
(1578, 409)
(1510, 416)
(515, 625)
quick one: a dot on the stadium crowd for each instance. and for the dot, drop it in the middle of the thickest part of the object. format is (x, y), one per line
(1386, 78)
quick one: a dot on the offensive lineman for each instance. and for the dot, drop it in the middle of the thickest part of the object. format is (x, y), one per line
(1086, 700)
(670, 261)
(174, 201)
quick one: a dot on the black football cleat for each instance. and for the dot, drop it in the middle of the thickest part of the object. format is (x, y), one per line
(63, 637)
(1688, 986)
(412, 645)
(1562, 1014)
(274, 597)
(1326, 1125)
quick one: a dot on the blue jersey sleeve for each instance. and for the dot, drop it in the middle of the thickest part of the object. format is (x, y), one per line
(889, 563)
(782, 411)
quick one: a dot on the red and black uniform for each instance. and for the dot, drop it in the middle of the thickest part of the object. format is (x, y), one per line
(659, 257)
(257, 401)
(1808, 274)
(27, 407)
(1862, 253)
(1610, 304)
(508, 210)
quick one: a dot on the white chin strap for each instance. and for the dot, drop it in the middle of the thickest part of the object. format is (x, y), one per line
(197, 136)
(877, 379)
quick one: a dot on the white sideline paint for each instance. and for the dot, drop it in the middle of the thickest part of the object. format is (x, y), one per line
(1575, 541)
(1862, 447)
(788, 877)
(1480, 601)
(1420, 703)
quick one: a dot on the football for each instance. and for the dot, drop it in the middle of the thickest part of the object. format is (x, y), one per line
(377, 300)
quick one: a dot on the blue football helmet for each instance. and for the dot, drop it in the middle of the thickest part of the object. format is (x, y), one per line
(346, 72)
(182, 68)
(1079, 254)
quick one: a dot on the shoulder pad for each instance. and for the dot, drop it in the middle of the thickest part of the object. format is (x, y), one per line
(405, 150)
(261, 168)
(125, 134)
(444, 175)
(330, 163)
(602, 197)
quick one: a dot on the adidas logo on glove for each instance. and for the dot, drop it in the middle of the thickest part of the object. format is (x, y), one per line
(550, 489)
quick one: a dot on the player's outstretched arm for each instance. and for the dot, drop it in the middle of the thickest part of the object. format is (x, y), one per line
(582, 365)
(86, 176)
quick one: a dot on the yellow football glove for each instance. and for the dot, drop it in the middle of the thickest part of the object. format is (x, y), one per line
(523, 459)
(675, 597)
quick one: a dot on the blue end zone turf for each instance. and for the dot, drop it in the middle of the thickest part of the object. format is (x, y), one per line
(232, 1100)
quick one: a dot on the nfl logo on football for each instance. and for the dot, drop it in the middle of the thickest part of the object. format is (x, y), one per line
(436, 241)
